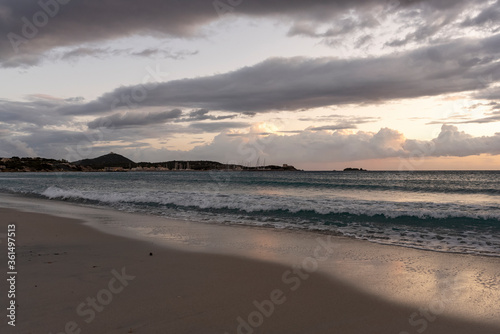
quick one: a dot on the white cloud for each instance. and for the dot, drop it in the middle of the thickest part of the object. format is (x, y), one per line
(339, 146)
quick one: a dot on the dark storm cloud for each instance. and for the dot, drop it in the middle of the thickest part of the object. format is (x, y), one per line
(40, 28)
(82, 28)
(489, 94)
(494, 105)
(488, 18)
(302, 83)
(137, 118)
(106, 52)
(134, 119)
(420, 34)
(218, 126)
(363, 40)
(163, 53)
(12, 147)
(491, 118)
(203, 115)
(38, 112)
(427, 21)
(28, 29)
(421, 21)
(53, 143)
(430, 20)
(76, 145)
(86, 52)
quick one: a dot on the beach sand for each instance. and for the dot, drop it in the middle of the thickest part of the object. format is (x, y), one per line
(72, 278)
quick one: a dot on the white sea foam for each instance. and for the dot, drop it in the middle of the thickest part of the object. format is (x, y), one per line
(467, 222)
(260, 203)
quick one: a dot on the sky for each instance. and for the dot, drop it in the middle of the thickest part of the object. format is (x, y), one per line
(321, 85)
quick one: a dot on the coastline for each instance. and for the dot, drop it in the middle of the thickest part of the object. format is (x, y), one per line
(207, 288)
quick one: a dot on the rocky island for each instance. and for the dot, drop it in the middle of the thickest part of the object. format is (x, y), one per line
(350, 169)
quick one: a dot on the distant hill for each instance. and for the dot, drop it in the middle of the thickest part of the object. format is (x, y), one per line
(113, 162)
(37, 164)
(108, 160)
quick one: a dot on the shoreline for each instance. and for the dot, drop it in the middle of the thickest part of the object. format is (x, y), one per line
(62, 263)
(150, 216)
(403, 279)
(73, 203)
(281, 246)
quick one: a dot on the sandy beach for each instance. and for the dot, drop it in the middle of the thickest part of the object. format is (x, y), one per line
(250, 166)
(72, 278)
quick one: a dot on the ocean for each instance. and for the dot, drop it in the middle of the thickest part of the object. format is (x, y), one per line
(447, 211)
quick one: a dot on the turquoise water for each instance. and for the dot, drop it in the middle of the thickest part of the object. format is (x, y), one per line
(441, 211)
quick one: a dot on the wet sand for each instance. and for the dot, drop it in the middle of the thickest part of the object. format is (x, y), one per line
(73, 277)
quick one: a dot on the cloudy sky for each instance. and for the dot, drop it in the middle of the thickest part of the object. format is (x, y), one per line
(409, 84)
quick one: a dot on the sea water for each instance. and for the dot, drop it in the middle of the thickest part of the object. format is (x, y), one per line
(449, 211)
